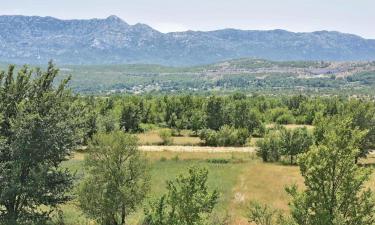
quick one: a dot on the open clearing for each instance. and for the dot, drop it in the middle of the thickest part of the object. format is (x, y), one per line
(241, 179)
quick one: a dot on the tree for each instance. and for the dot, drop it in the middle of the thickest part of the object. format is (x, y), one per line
(117, 179)
(214, 112)
(244, 117)
(130, 117)
(187, 202)
(324, 126)
(90, 120)
(40, 125)
(295, 142)
(269, 148)
(107, 123)
(363, 117)
(197, 121)
(335, 191)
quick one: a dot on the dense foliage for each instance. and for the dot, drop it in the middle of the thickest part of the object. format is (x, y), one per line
(39, 127)
(117, 179)
(335, 191)
(237, 115)
(284, 142)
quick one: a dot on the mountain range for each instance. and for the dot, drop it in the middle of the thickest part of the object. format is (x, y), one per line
(35, 40)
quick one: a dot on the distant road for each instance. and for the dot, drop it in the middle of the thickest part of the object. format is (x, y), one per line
(180, 148)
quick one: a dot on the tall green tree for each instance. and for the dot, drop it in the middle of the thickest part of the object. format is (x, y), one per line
(269, 147)
(117, 178)
(40, 126)
(295, 142)
(244, 117)
(324, 125)
(197, 121)
(130, 117)
(188, 201)
(215, 113)
(363, 117)
(335, 191)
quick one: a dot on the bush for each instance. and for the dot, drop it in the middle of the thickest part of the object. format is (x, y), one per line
(209, 136)
(187, 201)
(301, 120)
(259, 131)
(264, 215)
(285, 119)
(282, 116)
(226, 136)
(166, 136)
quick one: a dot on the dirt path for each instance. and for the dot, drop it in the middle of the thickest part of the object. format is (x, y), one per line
(180, 148)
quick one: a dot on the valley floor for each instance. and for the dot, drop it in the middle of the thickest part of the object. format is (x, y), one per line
(240, 177)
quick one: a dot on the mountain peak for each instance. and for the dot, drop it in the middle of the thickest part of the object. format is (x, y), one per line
(114, 18)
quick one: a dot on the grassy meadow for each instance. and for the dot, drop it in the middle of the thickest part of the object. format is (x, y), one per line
(239, 177)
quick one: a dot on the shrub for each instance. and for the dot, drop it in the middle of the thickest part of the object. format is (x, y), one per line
(259, 131)
(285, 119)
(262, 214)
(166, 136)
(282, 116)
(226, 136)
(187, 201)
(209, 136)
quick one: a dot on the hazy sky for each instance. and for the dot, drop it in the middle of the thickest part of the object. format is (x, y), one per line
(350, 16)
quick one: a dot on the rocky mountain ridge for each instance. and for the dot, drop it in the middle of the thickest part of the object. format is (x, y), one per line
(35, 40)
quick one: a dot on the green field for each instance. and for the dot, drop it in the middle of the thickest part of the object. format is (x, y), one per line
(242, 179)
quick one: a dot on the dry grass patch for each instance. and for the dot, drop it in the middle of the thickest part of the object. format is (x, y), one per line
(153, 138)
(153, 156)
(291, 126)
(264, 183)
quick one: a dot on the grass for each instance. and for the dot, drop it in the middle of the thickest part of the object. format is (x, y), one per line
(264, 183)
(241, 179)
(152, 138)
(166, 166)
(292, 126)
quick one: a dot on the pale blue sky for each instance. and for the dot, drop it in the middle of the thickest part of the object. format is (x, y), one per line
(349, 16)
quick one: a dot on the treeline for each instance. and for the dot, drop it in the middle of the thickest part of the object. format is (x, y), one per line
(215, 118)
